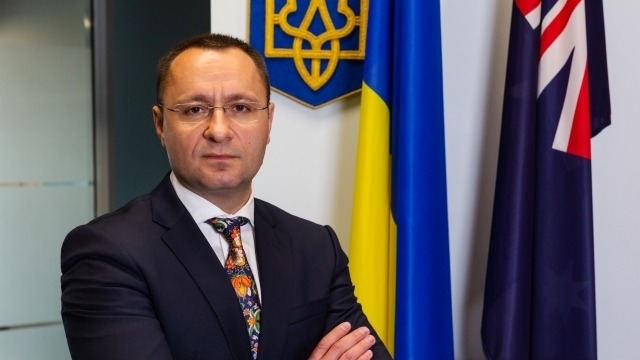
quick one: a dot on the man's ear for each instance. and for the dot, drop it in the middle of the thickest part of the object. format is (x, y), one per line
(158, 122)
(271, 110)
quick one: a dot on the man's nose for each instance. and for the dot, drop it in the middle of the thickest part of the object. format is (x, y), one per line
(218, 125)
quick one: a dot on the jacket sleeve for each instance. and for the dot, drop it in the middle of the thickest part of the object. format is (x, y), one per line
(106, 308)
(343, 304)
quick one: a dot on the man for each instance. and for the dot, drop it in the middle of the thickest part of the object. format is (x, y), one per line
(156, 280)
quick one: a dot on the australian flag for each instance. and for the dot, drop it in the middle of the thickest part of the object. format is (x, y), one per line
(540, 287)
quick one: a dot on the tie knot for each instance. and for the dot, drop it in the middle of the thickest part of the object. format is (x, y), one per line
(227, 226)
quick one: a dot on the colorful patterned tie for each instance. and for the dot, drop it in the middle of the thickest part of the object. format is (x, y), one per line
(240, 274)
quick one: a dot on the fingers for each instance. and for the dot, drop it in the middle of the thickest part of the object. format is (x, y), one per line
(328, 340)
(367, 355)
(339, 343)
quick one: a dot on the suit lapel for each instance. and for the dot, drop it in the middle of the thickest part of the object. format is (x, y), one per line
(186, 241)
(273, 250)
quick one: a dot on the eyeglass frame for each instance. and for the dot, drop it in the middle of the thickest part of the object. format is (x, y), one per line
(210, 109)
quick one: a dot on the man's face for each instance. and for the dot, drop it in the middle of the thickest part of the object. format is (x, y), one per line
(216, 158)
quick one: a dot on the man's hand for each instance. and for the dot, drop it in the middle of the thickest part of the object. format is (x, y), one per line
(341, 344)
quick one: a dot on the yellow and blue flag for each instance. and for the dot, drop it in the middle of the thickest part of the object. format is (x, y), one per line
(400, 242)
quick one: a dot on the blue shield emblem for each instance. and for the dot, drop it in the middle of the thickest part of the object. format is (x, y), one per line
(314, 49)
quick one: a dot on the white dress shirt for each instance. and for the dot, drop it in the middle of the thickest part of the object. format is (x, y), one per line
(202, 210)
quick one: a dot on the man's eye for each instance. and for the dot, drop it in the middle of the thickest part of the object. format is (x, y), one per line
(194, 110)
(240, 107)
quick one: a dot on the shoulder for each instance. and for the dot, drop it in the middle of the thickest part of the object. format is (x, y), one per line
(111, 233)
(299, 232)
(277, 216)
(131, 229)
(159, 209)
(135, 214)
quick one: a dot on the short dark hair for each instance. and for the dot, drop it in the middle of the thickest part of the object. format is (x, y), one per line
(213, 42)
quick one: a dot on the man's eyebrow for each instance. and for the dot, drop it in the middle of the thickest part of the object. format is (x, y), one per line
(231, 98)
(193, 98)
(200, 98)
(238, 97)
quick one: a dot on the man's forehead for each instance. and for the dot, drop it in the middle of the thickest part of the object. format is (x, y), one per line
(194, 64)
(196, 54)
(205, 60)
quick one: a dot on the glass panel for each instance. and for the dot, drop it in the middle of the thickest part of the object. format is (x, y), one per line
(31, 235)
(46, 162)
(45, 97)
(43, 342)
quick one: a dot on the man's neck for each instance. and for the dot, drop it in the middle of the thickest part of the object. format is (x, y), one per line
(228, 201)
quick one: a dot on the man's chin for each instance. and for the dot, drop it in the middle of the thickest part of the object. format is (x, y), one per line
(223, 185)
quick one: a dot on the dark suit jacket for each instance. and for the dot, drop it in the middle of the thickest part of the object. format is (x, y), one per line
(143, 283)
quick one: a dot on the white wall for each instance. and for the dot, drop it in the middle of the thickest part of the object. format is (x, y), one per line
(616, 190)
(309, 165)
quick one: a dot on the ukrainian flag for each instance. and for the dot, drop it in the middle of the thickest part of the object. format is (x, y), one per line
(399, 242)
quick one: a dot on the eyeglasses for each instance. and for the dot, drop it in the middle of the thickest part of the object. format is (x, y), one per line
(194, 112)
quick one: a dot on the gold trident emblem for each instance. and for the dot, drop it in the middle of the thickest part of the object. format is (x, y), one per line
(316, 77)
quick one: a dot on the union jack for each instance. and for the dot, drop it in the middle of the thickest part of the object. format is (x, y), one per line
(564, 38)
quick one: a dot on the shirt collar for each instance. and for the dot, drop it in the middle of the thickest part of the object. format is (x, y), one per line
(201, 209)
